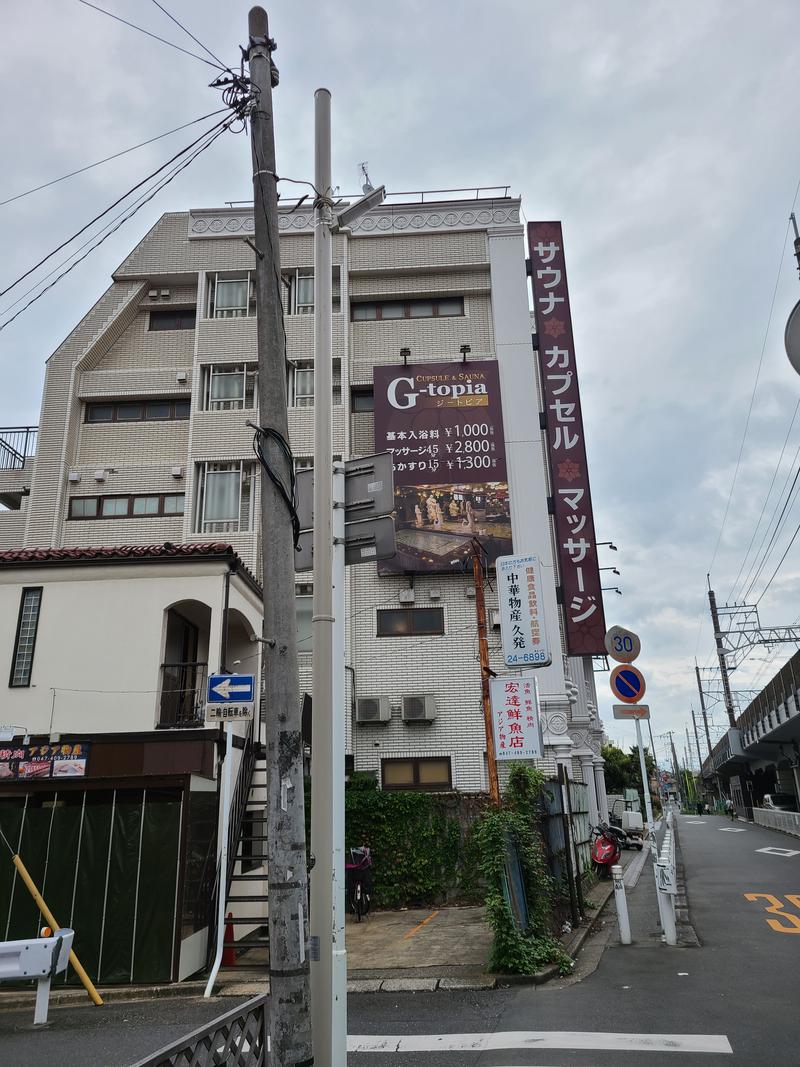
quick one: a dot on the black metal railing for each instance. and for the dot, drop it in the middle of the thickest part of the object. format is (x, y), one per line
(183, 695)
(17, 443)
(237, 1039)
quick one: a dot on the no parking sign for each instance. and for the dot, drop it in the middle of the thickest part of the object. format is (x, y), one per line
(627, 683)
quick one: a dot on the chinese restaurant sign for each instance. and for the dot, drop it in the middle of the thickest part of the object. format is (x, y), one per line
(515, 716)
(572, 502)
(43, 761)
(522, 629)
(443, 424)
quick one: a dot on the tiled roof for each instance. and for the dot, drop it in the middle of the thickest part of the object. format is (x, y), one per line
(117, 552)
(109, 554)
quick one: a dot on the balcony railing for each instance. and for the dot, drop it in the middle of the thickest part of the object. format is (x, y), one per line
(17, 443)
(183, 695)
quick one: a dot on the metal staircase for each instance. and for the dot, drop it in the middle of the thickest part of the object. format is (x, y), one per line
(246, 909)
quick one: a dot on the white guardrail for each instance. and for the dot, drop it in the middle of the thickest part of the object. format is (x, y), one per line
(667, 883)
(786, 821)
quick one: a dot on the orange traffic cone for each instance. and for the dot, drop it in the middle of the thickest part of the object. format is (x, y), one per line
(229, 953)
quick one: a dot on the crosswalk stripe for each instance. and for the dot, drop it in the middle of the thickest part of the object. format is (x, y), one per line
(540, 1039)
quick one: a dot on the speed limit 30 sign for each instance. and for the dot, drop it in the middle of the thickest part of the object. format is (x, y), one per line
(622, 645)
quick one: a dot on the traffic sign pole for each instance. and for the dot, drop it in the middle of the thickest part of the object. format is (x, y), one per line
(645, 783)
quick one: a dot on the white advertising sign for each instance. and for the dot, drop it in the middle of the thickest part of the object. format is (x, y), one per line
(515, 718)
(522, 629)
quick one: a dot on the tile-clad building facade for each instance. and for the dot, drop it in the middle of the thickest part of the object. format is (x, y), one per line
(143, 439)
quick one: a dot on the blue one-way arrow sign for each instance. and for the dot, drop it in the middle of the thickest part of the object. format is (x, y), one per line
(231, 689)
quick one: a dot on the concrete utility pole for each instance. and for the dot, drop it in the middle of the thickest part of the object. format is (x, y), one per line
(703, 707)
(329, 959)
(697, 743)
(723, 664)
(289, 1014)
(483, 647)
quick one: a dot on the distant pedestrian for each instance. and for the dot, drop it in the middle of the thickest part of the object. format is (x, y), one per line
(699, 807)
(730, 808)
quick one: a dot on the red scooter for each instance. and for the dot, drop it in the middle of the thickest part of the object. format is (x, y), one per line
(607, 842)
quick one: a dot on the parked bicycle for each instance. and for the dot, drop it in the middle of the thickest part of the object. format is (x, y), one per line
(358, 881)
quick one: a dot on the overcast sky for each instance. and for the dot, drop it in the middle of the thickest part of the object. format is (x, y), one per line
(663, 135)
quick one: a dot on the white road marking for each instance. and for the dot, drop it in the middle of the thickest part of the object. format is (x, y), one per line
(732, 830)
(772, 851)
(695, 822)
(540, 1039)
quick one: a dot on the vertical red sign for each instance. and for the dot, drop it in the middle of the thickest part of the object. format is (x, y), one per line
(566, 449)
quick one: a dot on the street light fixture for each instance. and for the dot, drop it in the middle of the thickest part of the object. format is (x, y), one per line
(612, 569)
(610, 544)
(610, 589)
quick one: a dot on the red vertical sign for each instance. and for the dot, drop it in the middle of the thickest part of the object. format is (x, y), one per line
(566, 449)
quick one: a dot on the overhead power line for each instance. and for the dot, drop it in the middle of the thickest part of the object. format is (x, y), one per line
(731, 595)
(752, 399)
(190, 34)
(107, 159)
(217, 65)
(209, 137)
(110, 208)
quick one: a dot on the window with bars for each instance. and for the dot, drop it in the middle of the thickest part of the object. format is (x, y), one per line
(225, 497)
(231, 296)
(301, 383)
(229, 386)
(25, 640)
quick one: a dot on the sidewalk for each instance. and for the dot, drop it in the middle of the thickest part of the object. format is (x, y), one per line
(392, 951)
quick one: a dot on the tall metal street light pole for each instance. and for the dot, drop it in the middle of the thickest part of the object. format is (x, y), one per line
(289, 1009)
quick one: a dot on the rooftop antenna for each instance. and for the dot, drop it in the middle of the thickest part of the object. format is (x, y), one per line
(366, 185)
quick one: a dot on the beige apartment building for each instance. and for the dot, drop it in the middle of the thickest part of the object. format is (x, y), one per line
(143, 441)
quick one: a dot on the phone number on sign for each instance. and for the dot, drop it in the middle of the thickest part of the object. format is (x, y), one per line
(527, 657)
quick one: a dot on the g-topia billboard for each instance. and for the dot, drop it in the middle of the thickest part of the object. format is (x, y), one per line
(443, 424)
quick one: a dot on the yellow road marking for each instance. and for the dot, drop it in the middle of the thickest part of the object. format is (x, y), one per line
(420, 925)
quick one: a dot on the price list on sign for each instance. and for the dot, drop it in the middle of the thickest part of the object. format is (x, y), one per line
(442, 424)
(515, 717)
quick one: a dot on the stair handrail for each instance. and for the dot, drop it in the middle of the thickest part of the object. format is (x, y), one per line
(241, 793)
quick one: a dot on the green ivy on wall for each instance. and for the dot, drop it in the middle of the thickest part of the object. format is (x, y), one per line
(516, 825)
(415, 843)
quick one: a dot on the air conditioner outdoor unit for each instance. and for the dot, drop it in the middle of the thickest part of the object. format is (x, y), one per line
(419, 708)
(373, 709)
(406, 596)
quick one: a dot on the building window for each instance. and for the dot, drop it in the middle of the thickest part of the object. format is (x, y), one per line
(304, 598)
(301, 383)
(229, 386)
(439, 308)
(429, 773)
(298, 291)
(25, 640)
(231, 296)
(172, 319)
(159, 410)
(409, 622)
(225, 497)
(362, 398)
(126, 507)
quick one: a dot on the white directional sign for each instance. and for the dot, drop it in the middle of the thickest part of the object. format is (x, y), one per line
(522, 628)
(230, 697)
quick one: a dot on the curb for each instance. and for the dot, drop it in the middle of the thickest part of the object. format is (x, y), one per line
(113, 995)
